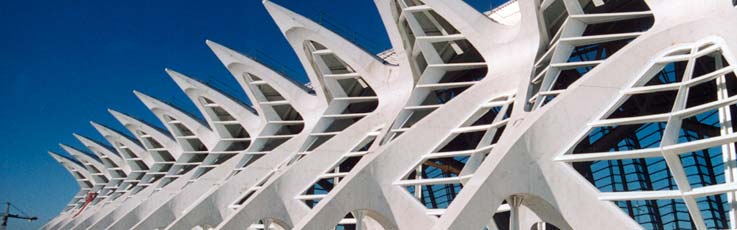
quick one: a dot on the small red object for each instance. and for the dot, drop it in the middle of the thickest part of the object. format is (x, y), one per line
(90, 197)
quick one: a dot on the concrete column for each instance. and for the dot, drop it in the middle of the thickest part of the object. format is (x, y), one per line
(514, 202)
(358, 215)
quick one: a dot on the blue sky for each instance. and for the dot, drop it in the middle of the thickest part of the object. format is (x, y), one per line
(63, 63)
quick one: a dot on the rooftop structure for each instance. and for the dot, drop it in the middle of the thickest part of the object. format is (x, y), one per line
(552, 114)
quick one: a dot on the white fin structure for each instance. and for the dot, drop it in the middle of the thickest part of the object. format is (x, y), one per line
(457, 75)
(546, 187)
(136, 157)
(233, 122)
(286, 109)
(538, 114)
(114, 164)
(84, 180)
(98, 173)
(163, 149)
(340, 72)
(195, 139)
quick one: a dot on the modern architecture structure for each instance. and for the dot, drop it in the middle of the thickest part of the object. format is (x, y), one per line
(539, 114)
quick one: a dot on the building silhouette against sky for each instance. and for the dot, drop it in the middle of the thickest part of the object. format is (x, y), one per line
(552, 114)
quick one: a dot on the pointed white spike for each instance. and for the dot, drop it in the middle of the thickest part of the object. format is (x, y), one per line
(196, 89)
(134, 125)
(113, 136)
(160, 108)
(239, 64)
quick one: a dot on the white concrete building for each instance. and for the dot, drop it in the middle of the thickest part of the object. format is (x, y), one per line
(540, 114)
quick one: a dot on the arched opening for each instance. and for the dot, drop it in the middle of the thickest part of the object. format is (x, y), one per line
(543, 226)
(268, 224)
(516, 212)
(362, 219)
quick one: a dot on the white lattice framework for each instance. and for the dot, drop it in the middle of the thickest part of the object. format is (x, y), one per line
(550, 114)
